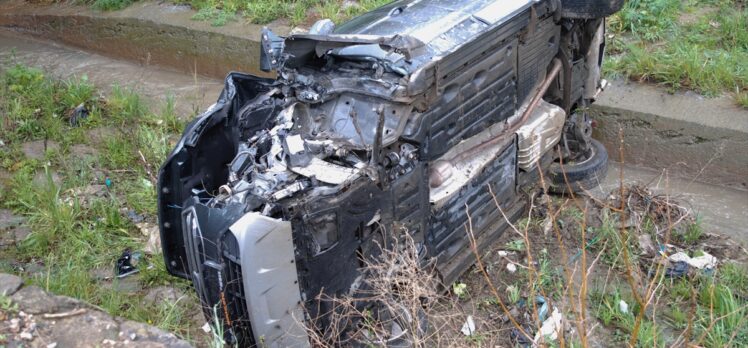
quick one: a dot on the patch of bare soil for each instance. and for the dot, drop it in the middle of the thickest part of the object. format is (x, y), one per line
(688, 18)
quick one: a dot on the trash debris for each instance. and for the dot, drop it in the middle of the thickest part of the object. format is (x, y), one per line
(503, 253)
(108, 183)
(153, 245)
(468, 328)
(78, 114)
(547, 226)
(206, 328)
(623, 306)
(511, 267)
(677, 269)
(704, 261)
(134, 217)
(551, 327)
(125, 266)
(543, 311)
(519, 338)
(646, 245)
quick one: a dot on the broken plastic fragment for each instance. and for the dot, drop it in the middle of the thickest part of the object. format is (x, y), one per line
(623, 306)
(78, 114)
(551, 327)
(468, 328)
(125, 266)
(701, 262)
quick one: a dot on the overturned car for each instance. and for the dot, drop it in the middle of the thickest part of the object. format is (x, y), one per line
(394, 122)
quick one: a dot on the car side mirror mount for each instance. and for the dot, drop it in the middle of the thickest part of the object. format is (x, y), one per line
(271, 48)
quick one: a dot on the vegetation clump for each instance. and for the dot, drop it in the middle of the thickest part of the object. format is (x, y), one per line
(85, 198)
(700, 45)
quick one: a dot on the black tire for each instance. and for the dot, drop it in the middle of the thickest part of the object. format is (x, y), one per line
(589, 9)
(583, 175)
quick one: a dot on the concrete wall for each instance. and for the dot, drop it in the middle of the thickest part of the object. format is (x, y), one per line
(148, 33)
(691, 136)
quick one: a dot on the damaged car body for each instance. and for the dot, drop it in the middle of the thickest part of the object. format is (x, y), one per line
(398, 121)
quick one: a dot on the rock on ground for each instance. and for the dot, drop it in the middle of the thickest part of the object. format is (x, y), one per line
(37, 318)
(37, 149)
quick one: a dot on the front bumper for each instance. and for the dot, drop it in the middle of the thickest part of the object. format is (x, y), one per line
(243, 268)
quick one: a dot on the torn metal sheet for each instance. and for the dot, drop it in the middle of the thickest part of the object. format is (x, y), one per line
(327, 172)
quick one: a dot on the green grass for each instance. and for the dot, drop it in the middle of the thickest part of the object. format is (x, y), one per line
(653, 41)
(220, 12)
(73, 235)
(111, 5)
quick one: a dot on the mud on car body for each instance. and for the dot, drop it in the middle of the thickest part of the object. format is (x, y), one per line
(394, 122)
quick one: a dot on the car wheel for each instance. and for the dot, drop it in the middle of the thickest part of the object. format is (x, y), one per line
(580, 175)
(589, 9)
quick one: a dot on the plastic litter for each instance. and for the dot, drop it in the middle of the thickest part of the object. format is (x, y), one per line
(520, 339)
(125, 265)
(134, 217)
(468, 328)
(705, 261)
(623, 306)
(677, 269)
(206, 328)
(78, 114)
(646, 244)
(543, 310)
(550, 327)
(511, 267)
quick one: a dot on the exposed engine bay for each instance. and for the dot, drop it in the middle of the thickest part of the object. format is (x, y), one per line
(392, 123)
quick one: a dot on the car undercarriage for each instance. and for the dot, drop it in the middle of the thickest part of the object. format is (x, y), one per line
(401, 121)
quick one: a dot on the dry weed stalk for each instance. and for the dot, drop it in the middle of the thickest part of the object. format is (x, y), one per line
(389, 308)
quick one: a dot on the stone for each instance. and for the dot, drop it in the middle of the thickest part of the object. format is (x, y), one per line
(153, 245)
(162, 294)
(148, 336)
(129, 284)
(41, 178)
(9, 220)
(33, 300)
(101, 135)
(101, 273)
(85, 330)
(83, 151)
(20, 233)
(37, 149)
(9, 284)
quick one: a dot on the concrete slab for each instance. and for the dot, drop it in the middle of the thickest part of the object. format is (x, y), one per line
(688, 134)
(192, 94)
(147, 32)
